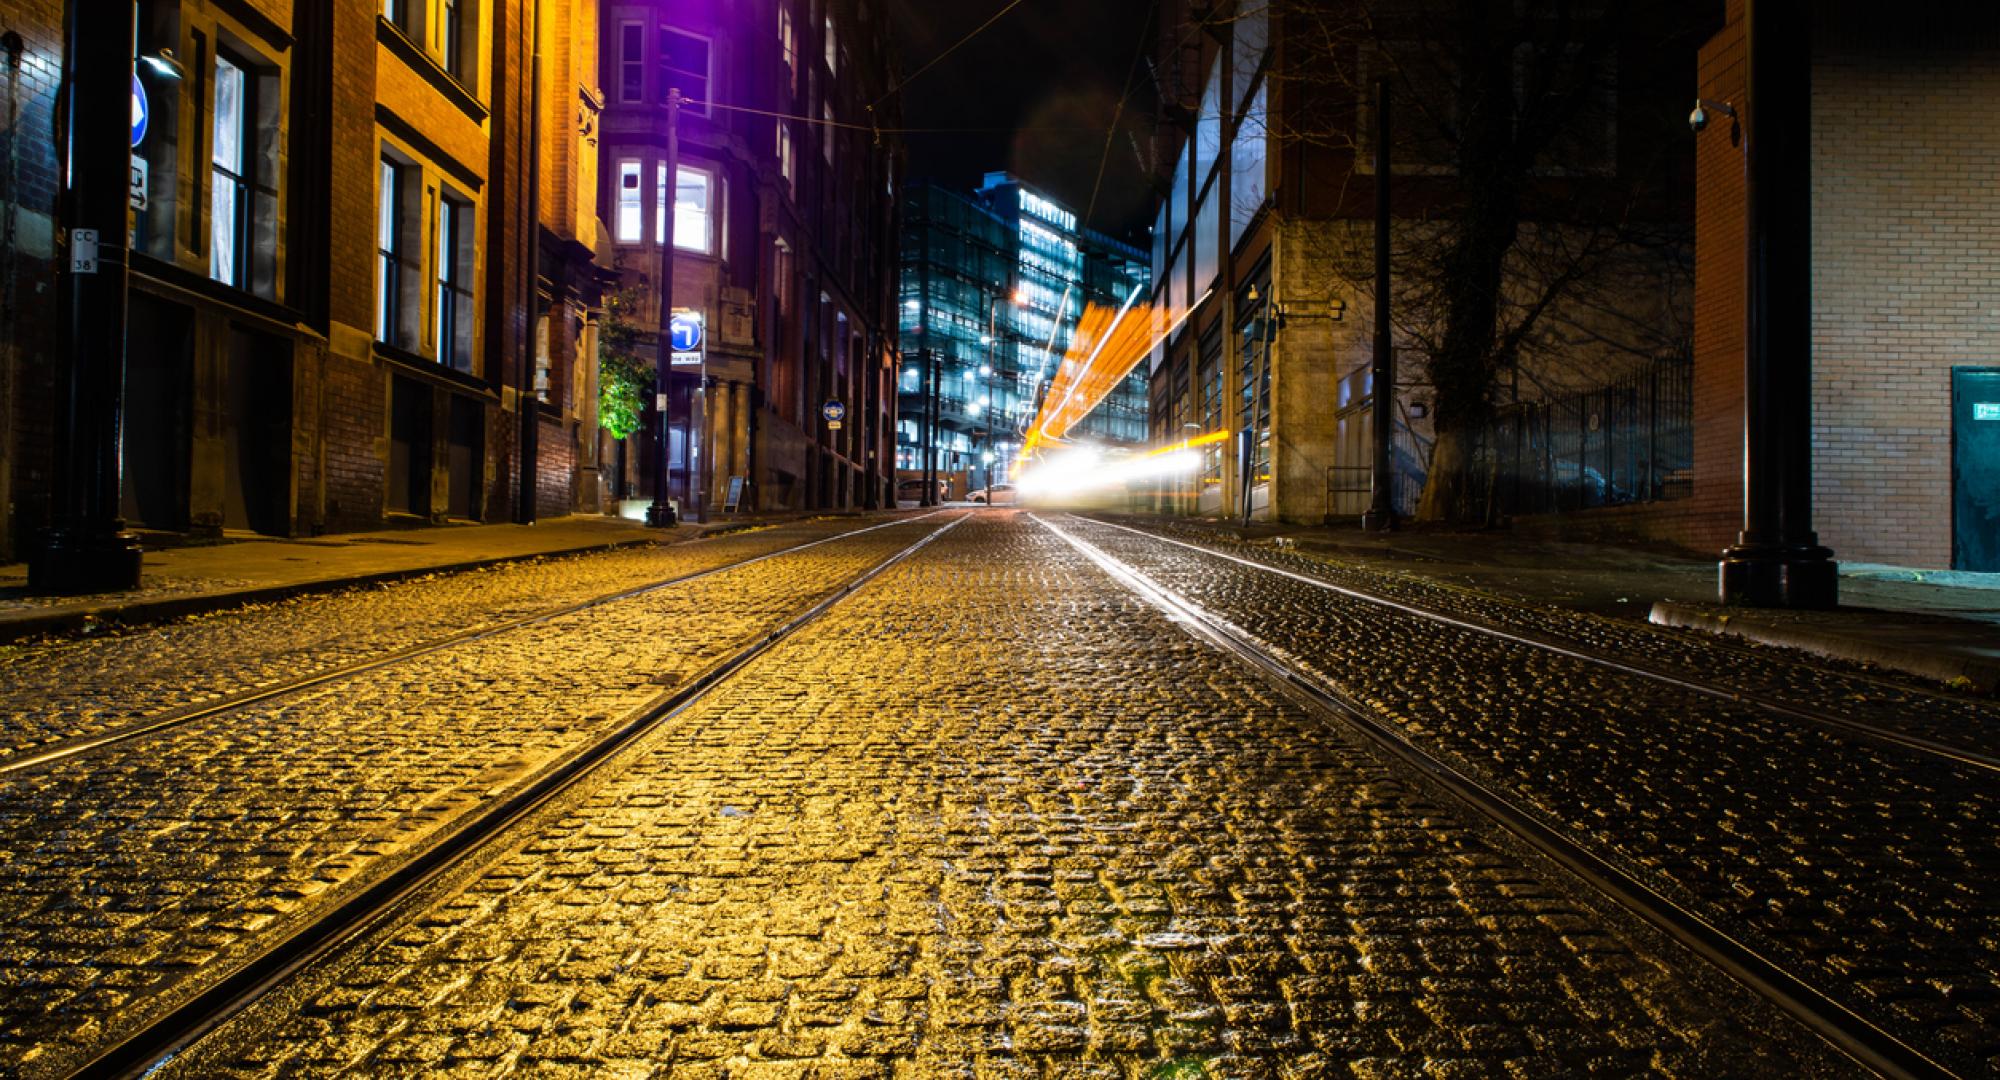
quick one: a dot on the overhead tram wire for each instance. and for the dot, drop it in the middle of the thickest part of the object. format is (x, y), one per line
(898, 88)
(846, 125)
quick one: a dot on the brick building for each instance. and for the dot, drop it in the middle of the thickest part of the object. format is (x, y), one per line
(1906, 223)
(781, 236)
(329, 317)
(1264, 238)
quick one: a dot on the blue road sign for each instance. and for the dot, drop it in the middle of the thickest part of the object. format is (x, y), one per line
(686, 331)
(834, 411)
(139, 110)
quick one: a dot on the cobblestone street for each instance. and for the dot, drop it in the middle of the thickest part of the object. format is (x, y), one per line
(993, 813)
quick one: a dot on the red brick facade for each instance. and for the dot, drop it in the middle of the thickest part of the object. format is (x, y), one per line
(271, 398)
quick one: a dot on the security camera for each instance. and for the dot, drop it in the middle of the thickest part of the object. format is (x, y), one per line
(1698, 119)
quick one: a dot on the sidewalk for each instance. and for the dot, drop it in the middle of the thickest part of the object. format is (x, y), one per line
(1942, 625)
(246, 569)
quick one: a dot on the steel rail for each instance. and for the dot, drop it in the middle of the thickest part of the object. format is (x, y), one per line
(157, 1043)
(1851, 1033)
(1956, 754)
(182, 716)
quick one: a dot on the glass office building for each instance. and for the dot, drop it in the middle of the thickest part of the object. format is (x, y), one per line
(992, 288)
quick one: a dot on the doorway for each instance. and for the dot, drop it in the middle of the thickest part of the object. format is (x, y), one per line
(1975, 469)
(257, 434)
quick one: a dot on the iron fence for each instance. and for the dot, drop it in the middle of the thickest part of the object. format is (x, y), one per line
(1630, 441)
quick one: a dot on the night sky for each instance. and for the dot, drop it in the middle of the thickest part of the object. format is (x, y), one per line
(1047, 76)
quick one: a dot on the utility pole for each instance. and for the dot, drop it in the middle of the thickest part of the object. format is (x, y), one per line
(1777, 560)
(84, 548)
(660, 514)
(1381, 515)
(531, 419)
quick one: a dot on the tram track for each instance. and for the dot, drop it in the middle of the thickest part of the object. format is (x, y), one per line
(249, 697)
(153, 1045)
(1964, 756)
(1858, 1037)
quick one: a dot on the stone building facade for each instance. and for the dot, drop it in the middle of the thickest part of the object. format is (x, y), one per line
(783, 249)
(1263, 247)
(329, 320)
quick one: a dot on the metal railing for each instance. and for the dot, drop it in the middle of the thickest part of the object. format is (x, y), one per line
(1631, 441)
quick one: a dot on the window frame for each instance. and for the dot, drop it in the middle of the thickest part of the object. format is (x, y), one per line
(389, 210)
(238, 180)
(454, 277)
(788, 45)
(707, 75)
(711, 241)
(635, 205)
(631, 61)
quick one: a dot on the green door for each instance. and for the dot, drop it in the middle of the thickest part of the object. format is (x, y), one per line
(1975, 469)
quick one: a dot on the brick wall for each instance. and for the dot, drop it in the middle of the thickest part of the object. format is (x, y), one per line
(354, 425)
(555, 479)
(1714, 513)
(28, 311)
(1906, 223)
(1906, 272)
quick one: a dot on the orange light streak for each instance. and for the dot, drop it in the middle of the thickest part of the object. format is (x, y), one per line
(1103, 351)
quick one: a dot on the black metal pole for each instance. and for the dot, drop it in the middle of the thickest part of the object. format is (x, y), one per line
(1777, 560)
(661, 513)
(531, 419)
(84, 548)
(1381, 515)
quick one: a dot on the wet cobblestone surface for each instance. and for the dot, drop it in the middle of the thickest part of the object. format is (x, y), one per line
(1884, 698)
(997, 817)
(133, 874)
(1872, 870)
(56, 690)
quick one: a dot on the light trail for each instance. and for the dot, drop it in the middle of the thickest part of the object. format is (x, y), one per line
(1115, 345)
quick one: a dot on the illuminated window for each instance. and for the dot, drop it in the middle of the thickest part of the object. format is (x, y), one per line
(395, 304)
(788, 41)
(229, 201)
(683, 63)
(454, 283)
(630, 205)
(694, 210)
(787, 165)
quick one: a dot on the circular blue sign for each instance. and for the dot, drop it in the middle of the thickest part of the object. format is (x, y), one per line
(139, 111)
(834, 411)
(685, 332)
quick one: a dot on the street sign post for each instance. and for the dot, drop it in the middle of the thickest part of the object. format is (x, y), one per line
(835, 412)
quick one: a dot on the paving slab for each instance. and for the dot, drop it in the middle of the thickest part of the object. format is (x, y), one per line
(246, 568)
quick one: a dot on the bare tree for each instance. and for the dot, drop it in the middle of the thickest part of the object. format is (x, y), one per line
(1544, 218)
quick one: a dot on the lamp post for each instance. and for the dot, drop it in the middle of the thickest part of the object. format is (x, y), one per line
(1777, 560)
(85, 548)
(1381, 515)
(661, 513)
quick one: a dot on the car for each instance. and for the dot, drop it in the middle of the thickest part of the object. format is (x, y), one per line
(995, 495)
(912, 491)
